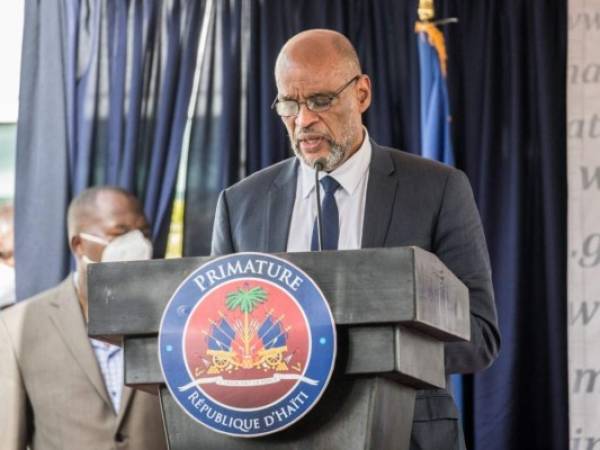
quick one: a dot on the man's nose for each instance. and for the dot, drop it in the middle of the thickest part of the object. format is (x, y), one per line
(305, 116)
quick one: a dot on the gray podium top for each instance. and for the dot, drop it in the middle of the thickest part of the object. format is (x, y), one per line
(403, 285)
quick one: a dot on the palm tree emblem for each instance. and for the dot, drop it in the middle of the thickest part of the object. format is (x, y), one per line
(247, 300)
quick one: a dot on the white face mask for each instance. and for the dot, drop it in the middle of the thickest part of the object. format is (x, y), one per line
(131, 246)
(7, 285)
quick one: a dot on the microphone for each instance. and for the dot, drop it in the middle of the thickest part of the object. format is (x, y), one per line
(318, 165)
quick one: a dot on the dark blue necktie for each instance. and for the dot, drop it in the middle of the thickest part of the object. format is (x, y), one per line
(330, 217)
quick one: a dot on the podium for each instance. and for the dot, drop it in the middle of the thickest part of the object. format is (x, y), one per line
(394, 309)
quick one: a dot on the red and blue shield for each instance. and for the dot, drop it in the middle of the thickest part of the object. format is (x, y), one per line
(247, 344)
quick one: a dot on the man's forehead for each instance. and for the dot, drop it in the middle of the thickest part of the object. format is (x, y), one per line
(111, 207)
(114, 201)
(309, 80)
(315, 46)
(304, 88)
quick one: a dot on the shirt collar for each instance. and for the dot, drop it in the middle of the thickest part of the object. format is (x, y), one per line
(104, 346)
(349, 174)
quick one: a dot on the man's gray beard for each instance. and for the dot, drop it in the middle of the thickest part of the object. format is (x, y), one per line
(333, 159)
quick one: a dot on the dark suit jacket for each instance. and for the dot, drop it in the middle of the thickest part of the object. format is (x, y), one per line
(52, 394)
(410, 201)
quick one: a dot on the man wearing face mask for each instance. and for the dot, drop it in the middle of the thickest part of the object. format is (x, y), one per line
(60, 389)
(7, 260)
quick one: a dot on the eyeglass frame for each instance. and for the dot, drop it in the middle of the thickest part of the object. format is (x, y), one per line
(331, 98)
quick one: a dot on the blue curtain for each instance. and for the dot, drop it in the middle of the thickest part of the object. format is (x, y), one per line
(216, 132)
(42, 171)
(507, 76)
(105, 91)
(506, 85)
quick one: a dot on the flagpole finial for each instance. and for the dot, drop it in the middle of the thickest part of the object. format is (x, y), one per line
(426, 11)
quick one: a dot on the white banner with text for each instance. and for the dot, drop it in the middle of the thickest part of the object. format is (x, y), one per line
(583, 141)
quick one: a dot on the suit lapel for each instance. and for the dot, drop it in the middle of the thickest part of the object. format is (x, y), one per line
(65, 314)
(280, 204)
(126, 397)
(381, 192)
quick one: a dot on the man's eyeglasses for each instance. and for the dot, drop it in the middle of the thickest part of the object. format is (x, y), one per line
(315, 103)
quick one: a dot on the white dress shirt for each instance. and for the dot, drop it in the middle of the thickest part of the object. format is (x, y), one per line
(350, 197)
(110, 360)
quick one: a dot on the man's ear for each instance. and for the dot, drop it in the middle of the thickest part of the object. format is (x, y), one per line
(363, 93)
(75, 245)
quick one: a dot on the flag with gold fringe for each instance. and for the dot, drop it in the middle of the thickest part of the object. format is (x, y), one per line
(436, 140)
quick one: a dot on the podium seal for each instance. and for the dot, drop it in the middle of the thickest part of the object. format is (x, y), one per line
(247, 344)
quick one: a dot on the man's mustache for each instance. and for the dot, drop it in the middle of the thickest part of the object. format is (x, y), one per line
(303, 135)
